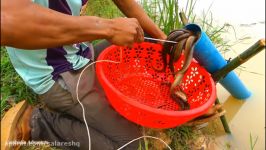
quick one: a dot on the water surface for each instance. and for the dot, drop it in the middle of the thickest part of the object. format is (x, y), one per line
(245, 117)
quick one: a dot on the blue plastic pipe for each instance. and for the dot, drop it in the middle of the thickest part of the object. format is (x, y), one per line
(210, 58)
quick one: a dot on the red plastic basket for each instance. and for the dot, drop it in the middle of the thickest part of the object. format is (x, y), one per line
(139, 93)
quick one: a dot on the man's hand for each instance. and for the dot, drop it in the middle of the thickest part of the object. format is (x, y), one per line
(49, 28)
(125, 32)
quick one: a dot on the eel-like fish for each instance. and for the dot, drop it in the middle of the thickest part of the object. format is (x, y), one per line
(188, 54)
(167, 48)
(175, 54)
(185, 42)
(177, 39)
(175, 89)
(177, 97)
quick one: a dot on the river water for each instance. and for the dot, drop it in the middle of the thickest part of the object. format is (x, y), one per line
(245, 117)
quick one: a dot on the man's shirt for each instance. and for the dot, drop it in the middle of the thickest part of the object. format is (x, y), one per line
(41, 68)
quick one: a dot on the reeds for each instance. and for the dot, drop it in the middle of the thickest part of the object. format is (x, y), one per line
(165, 14)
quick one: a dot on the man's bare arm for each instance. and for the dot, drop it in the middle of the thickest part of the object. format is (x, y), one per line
(133, 10)
(29, 26)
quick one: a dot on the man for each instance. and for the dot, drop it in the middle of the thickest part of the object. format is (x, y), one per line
(48, 45)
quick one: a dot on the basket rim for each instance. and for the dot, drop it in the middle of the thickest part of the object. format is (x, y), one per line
(131, 101)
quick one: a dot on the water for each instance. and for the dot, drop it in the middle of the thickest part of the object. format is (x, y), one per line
(245, 117)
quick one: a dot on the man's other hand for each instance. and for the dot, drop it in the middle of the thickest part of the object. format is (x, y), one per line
(125, 32)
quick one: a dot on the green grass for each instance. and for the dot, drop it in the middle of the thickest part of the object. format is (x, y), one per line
(252, 143)
(165, 13)
(181, 137)
(13, 88)
(103, 8)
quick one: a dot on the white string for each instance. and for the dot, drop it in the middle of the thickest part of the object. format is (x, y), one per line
(145, 136)
(83, 110)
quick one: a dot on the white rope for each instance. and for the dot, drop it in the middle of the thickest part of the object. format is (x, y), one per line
(83, 110)
(146, 136)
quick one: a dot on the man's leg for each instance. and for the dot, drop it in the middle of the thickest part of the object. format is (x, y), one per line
(99, 114)
(21, 123)
(66, 132)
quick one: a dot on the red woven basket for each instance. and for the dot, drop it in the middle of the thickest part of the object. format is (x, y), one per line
(141, 94)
